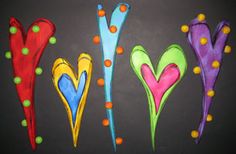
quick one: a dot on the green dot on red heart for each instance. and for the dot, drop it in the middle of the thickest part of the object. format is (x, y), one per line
(26, 103)
(24, 123)
(8, 54)
(25, 51)
(17, 80)
(38, 71)
(35, 28)
(38, 139)
(12, 29)
(52, 40)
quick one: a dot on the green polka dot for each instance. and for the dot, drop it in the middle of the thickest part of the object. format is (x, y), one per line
(35, 28)
(17, 80)
(24, 123)
(8, 54)
(25, 51)
(26, 103)
(38, 71)
(38, 139)
(13, 30)
(53, 40)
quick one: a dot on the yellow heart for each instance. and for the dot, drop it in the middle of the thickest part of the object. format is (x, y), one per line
(63, 67)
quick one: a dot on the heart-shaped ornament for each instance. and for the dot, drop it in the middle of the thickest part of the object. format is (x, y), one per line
(73, 88)
(26, 51)
(208, 50)
(158, 84)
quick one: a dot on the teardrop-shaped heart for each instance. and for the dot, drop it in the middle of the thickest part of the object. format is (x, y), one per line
(73, 88)
(160, 83)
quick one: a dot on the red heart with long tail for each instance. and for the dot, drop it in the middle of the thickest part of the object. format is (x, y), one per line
(26, 51)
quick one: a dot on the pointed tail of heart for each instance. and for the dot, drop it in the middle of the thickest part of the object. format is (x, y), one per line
(206, 103)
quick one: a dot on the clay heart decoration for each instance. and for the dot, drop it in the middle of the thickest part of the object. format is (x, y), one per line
(26, 50)
(158, 84)
(73, 88)
(208, 50)
(109, 35)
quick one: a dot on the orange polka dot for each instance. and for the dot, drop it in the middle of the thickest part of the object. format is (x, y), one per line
(119, 140)
(105, 122)
(108, 105)
(113, 29)
(123, 8)
(96, 39)
(119, 50)
(107, 63)
(101, 13)
(100, 82)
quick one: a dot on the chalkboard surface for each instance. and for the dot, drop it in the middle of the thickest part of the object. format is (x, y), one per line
(153, 23)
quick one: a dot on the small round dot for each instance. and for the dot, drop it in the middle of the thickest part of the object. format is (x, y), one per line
(210, 93)
(105, 122)
(100, 82)
(226, 29)
(101, 13)
(201, 17)
(107, 63)
(38, 71)
(108, 105)
(184, 28)
(119, 140)
(227, 49)
(8, 54)
(203, 41)
(52, 40)
(26, 103)
(17, 80)
(113, 29)
(119, 50)
(123, 8)
(215, 64)
(25, 51)
(194, 134)
(197, 70)
(24, 123)
(35, 28)
(12, 29)
(38, 139)
(209, 118)
(96, 39)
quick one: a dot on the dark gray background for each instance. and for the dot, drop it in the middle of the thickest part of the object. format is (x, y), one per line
(153, 23)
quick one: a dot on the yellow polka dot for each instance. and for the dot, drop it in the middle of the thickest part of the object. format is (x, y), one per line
(194, 134)
(226, 30)
(227, 49)
(184, 28)
(203, 41)
(210, 93)
(209, 118)
(215, 64)
(197, 70)
(201, 17)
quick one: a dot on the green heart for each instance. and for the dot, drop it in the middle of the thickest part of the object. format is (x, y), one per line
(173, 55)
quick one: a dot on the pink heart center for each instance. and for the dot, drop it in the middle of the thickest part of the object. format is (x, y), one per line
(168, 77)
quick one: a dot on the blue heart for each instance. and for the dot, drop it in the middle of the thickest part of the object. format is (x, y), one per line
(71, 94)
